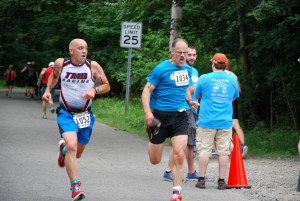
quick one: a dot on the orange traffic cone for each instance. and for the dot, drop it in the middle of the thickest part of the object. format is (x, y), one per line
(237, 175)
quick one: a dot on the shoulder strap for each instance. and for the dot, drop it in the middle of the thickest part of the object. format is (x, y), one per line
(67, 61)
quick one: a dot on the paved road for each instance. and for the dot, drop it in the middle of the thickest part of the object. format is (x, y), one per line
(114, 166)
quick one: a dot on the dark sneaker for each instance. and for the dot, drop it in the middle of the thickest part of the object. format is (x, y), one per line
(61, 157)
(192, 176)
(221, 185)
(201, 183)
(168, 176)
(244, 150)
(77, 193)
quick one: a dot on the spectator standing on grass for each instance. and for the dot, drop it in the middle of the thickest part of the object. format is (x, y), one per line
(42, 82)
(10, 76)
(217, 90)
(164, 98)
(81, 79)
(235, 115)
(192, 174)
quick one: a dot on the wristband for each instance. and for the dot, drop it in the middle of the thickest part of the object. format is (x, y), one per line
(49, 86)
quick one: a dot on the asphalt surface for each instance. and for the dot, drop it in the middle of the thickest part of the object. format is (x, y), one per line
(114, 166)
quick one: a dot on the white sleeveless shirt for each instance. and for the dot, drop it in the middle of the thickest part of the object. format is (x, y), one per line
(75, 80)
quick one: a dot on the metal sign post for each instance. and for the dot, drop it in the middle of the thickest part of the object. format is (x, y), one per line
(131, 35)
(128, 80)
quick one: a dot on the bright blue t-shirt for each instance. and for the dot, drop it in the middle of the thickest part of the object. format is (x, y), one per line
(170, 83)
(217, 90)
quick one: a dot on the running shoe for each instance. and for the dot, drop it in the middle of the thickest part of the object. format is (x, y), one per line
(168, 176)
(61, 157)
(192, 176)
(244, 150)
(221, 185)
(178, 198)
(44, 116)
(77, 193)
(201, 184)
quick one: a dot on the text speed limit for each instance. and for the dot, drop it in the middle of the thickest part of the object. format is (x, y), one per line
(131, 35)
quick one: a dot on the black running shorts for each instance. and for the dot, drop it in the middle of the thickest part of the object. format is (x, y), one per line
(172, 124)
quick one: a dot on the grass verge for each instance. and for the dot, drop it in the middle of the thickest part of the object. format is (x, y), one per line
(261, 141)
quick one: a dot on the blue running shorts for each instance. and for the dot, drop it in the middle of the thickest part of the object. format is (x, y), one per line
(66, 123)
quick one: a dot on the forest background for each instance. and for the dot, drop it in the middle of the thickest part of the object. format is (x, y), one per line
(260, 37)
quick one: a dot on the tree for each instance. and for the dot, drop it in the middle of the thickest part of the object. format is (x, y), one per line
(176, 15)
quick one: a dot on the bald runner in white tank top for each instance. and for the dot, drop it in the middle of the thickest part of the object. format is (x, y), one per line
(82, 76)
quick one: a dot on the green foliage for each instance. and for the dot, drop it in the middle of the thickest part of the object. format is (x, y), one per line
(2, 84)
(154, 50)
(111, 111)
(279, 142)
(36, 31)
(273, 65)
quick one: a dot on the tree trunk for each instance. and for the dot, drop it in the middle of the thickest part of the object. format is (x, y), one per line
(176, 16)
(243, 50)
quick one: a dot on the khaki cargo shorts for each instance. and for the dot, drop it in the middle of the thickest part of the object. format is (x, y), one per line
(220, 138)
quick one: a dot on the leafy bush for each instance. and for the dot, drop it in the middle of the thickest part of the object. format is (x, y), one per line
(279, 142)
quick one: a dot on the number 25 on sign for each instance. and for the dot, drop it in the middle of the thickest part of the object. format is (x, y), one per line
(131, 35)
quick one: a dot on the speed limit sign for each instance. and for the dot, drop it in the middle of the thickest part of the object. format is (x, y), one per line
(131, 35)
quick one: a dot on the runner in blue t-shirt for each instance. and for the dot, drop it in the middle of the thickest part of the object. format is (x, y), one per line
(192, 174)
(217, 91)
(166, 85)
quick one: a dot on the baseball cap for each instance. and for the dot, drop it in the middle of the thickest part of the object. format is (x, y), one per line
(51, 64)
(220, 59)
(227, 64)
